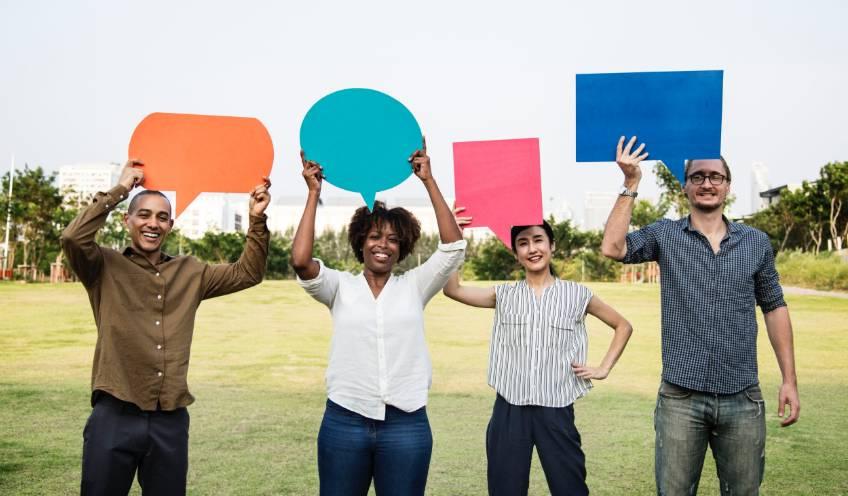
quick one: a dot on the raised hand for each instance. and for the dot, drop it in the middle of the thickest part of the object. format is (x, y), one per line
(420, 162)
(313, 173)
(260, 197)
(628, 160)
(460, 221)
(132, 175)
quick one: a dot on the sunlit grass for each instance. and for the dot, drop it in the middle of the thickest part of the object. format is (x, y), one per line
(258, 374)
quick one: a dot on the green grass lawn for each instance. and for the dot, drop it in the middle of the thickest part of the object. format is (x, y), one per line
(257, 372)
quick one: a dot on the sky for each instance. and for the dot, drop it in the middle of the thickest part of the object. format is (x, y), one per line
(76, 77)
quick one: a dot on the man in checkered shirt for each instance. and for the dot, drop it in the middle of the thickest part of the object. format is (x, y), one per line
(713, 273)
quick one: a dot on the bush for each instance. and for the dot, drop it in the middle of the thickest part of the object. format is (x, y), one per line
(826, 271)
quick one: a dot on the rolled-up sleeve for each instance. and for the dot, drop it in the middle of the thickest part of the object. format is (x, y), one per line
(324, 286)
(767, 287)
(431, 276)
(642, 245)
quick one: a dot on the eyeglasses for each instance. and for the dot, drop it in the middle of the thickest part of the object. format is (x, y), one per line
(715, 178)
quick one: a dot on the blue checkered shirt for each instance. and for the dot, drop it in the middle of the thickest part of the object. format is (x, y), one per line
(709, 321)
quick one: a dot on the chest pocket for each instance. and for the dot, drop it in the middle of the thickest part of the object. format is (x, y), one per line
(512, 329)
(561, 330)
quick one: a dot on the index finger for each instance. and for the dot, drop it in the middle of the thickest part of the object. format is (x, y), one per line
(619, 147)
(133, 162)
(424, 144)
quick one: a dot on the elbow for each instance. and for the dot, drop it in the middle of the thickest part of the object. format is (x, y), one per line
(610, 250)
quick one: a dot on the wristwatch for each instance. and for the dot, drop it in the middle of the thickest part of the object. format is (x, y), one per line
(626, 192)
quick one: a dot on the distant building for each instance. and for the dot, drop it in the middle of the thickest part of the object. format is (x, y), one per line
(558, 208)
(221, 212)
(772, 196)
(759, 184)
(217, 212)
(79, 182)
(596, 208)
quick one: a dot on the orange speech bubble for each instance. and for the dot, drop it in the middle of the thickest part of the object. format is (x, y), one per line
(192, 154)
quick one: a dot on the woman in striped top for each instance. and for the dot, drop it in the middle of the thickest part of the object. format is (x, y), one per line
(537, 366)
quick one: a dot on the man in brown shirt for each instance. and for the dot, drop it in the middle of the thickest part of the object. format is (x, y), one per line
(144, 303)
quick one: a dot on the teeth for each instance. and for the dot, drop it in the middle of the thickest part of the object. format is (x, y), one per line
(150, 235)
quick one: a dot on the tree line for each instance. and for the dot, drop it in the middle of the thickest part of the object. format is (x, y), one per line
(804, 219)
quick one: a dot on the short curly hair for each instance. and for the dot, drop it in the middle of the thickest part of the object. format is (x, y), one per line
(406, 226)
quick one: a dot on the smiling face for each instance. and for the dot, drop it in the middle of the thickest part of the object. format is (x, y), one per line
(706, 197)
(148, 224)
(533, 249)
(381, 249)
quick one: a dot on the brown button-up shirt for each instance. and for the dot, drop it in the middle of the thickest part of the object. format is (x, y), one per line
(145, 312)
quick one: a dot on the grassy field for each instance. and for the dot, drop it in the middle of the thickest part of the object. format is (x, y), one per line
(257, 372)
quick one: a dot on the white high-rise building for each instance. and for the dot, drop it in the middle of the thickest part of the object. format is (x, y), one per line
(218, 212)
(759, 183)
(79, 182)
(596, 208)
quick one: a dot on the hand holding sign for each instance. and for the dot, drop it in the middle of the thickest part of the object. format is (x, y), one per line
(678, 114)
(498, 184)
(363, 140)
(192, 154)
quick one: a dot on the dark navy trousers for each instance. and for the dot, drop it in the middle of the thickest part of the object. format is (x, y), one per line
(120, 439)
(512, 433)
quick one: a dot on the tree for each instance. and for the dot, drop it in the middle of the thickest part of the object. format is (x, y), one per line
(834, 181)
(37, 216)
(494, 262)
(645, 213)
(217, 247)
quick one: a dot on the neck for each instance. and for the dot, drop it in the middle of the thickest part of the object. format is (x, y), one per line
(539, 279)
(152, 256)
(376, 279)
(707, 221)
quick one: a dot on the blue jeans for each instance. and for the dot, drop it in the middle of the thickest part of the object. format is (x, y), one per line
(734, 427)
(353, 449)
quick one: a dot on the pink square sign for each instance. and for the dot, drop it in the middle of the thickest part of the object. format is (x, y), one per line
(499, 183)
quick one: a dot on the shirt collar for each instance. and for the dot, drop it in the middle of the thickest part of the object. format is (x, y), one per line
(163, 257)
(732, 227)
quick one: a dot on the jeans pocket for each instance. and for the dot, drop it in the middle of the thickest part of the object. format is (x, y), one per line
(755, 396)
(673, 391)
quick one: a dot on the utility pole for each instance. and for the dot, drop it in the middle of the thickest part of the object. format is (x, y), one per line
(8, 219)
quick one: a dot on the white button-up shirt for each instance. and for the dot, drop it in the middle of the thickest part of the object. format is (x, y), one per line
(378, 355)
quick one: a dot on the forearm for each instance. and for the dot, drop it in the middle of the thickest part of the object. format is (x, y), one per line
(617, 345)
(779, 328)
(448, 229)
(254, 257)
(475, 297)
(304, 238)
(78, 238)
(614, 244)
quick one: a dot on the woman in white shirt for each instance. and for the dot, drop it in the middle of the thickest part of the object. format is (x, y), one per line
(375, 423)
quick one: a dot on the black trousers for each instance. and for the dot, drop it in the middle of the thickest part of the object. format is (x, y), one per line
(119, 438)
(512, 433)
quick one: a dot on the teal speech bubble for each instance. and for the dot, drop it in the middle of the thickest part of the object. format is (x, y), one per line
(362, 138)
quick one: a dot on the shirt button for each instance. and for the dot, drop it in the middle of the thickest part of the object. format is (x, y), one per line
(157, 322)
(157, 274)
(159, 373)
(158, 346)
(158, 297)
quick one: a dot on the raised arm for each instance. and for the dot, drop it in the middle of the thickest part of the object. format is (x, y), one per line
(249, 269)
(614, 245)
(622, 329)
(77, 238)
(304, 239)
(476, 297)
(448, 230)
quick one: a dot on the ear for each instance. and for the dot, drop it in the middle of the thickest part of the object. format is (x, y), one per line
(171, 223)
(126, 218)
